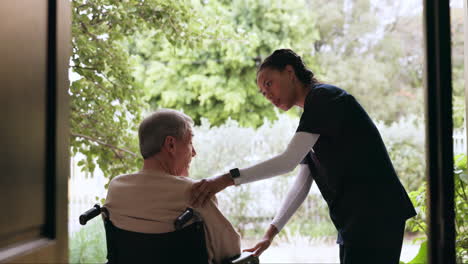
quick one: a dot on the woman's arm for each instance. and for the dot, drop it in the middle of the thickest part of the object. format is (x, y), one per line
(294, 199)
(299, 146)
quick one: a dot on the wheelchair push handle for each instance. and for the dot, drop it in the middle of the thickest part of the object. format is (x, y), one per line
(90, 214)
(183, 218)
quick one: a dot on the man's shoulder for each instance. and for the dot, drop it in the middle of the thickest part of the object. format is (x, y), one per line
(121, 177)
(184, 180)
(150, 178)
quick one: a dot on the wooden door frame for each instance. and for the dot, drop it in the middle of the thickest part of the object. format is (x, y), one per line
(439, 131)
(53, 244)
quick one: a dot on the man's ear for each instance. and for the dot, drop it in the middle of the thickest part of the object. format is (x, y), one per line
(169, 144)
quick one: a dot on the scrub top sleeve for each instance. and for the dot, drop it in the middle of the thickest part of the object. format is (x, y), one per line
(323, 112)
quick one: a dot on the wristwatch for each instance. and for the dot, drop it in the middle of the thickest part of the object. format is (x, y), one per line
(234, 173)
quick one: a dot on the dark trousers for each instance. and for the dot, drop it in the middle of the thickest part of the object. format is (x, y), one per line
(384, 251)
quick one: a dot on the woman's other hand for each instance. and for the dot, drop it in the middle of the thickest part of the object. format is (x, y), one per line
(261, 246)
(203, 190)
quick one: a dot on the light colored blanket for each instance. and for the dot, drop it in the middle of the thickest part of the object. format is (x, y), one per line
(150, 201)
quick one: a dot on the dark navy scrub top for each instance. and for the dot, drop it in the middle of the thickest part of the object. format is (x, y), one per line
(352, 168)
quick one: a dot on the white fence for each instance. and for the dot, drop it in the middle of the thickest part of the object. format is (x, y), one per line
(83, 189)
(459, 141)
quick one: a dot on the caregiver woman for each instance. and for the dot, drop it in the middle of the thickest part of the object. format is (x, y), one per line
(337, 145)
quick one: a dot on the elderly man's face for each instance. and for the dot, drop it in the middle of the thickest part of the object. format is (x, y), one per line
(184, 153)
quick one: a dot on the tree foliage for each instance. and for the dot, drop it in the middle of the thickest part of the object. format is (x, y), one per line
(419, 199)
(106, 102)
(217, 80)
(134, 56)
(374, 51)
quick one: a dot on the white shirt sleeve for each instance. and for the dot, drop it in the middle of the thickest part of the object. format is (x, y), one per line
(295, 197)
(299, 146)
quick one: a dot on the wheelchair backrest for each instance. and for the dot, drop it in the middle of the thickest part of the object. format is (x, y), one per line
(186, 245)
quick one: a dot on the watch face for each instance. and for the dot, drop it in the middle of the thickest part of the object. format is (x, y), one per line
(234, 173)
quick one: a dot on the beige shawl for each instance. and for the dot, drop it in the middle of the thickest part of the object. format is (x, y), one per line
(150, 201)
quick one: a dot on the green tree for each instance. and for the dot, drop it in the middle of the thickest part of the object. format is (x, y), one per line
(201, 56)
(374, 51)
(106, 102)
(217, 80)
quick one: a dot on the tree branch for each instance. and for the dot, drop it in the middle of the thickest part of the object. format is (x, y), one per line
(120, 158)
(85, 28)
(81, 6)
(83, 68)
(100, 142)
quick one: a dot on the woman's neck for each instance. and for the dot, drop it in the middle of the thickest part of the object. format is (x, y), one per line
(301, 93)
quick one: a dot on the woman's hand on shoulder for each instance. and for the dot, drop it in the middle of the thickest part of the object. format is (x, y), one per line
(203, 190)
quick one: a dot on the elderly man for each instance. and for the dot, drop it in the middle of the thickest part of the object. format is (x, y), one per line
(148, 201)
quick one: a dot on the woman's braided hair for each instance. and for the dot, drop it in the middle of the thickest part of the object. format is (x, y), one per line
(282, 57)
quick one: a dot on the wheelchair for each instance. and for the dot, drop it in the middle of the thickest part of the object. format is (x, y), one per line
(184, 245)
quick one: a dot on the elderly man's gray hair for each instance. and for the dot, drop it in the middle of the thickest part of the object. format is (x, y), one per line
(157, 126)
